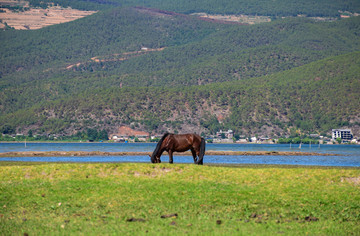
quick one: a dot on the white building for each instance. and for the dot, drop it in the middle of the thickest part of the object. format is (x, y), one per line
(344, 134)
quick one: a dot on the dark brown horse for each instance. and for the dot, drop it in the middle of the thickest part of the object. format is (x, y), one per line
(180, 143)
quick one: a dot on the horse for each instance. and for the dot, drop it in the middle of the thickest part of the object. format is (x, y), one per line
(179, 143)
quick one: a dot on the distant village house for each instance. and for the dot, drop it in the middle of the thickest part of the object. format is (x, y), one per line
(224, 137)
(124, 133)
(225, 134)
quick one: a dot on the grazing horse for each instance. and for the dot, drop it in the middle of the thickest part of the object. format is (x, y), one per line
(179, 143)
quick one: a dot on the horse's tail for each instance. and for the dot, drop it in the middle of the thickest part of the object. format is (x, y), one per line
(202, 152)
(153, 156)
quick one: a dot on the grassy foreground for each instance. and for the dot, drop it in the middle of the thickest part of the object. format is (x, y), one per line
(168, 199)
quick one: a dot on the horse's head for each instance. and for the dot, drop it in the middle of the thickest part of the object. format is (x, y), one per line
(155, 156)
(155, 159)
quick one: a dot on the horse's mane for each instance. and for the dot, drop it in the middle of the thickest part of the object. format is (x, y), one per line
(159, 145)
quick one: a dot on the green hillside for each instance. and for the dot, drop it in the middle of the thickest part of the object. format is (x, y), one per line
(314, 97)
(56, 61)
(252, 7)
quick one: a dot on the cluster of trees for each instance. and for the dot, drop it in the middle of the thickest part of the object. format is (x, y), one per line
(14, 8)
(298, 140)
(93, 135)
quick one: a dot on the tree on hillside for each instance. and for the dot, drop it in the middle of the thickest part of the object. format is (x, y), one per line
(103, 135)
(92, 134)
(30, 133)
(7, 129)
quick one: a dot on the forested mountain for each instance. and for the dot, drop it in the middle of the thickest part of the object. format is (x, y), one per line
(250, 7)
(158, 70)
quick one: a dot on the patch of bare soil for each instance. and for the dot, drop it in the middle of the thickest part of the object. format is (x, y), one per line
(352, 180)
(37, 18)
(155, 172)
(116, 57)
(240, 19)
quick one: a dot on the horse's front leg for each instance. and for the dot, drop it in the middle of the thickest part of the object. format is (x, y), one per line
(171, 157)
(194, 155)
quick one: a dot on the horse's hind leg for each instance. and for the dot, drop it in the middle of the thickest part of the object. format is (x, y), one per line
(194, 155)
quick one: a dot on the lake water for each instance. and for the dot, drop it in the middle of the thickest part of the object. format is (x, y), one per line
(344, 155)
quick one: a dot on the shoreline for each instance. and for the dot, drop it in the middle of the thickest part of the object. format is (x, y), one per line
(208, 153)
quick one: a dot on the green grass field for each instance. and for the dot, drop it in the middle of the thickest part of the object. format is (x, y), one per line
(163, 199)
